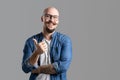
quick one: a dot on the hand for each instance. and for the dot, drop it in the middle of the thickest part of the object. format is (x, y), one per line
(40, 47)
(37, 71)
(46, 69)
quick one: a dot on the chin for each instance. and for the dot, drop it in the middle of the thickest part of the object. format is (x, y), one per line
(51, 27)
(50, 30)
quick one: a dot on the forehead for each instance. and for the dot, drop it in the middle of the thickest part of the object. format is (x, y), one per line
(51, 11)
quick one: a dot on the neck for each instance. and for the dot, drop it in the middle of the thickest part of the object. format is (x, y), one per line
(47, 35)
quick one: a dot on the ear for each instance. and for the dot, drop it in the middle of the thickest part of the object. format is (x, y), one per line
(42, 18)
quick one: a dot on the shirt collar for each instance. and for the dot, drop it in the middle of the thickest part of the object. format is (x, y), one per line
(53, 35)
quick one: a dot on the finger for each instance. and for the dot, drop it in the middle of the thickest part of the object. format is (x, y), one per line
(35, 71)
(35, 41)
(45, 49)
(45, 46)
(43, 42)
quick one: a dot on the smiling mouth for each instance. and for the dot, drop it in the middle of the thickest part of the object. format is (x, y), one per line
(51, 23)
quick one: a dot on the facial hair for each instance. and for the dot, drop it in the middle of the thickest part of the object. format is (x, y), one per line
(50, 30)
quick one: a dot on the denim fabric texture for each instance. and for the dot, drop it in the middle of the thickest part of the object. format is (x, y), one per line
(60, 54)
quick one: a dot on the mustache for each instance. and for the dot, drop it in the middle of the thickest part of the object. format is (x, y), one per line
(54, 23)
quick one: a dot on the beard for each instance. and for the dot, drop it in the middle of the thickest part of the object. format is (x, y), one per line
(50, 30)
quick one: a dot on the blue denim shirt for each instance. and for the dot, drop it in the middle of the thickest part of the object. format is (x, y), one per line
(60, 54)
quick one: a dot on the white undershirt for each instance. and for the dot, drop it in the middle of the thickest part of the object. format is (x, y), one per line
(45, 60)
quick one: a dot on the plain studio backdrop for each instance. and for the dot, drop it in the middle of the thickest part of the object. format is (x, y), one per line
(93, 25)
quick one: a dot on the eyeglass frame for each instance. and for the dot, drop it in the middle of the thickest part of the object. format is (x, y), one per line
(49, 16)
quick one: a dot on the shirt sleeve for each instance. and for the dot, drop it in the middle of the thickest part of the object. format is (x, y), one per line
(27, 52)
(66, 56)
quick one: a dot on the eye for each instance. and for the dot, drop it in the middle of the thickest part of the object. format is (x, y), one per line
(55, 17)
(47, 15)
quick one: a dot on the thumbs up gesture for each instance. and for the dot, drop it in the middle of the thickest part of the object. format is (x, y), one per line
(40, 47)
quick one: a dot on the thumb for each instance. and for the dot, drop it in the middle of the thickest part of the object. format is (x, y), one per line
(35, 41)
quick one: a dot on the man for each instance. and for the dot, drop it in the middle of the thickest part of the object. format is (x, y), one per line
(47, 55)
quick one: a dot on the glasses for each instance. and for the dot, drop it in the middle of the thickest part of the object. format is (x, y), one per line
(49, 16)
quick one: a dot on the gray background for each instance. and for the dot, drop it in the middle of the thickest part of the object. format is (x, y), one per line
(93, 25)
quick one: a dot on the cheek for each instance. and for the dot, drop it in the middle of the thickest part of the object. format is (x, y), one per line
(46, 20)
(57, 22)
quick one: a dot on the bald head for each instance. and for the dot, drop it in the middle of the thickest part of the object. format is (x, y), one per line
(51, 10)
(50, 18)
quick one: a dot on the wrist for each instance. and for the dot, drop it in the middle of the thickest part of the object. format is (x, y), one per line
(37, 52)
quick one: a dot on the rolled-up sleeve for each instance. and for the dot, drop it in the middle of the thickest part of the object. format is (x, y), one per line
(65, 57)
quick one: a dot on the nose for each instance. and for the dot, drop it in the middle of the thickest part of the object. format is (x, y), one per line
(51, 18)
